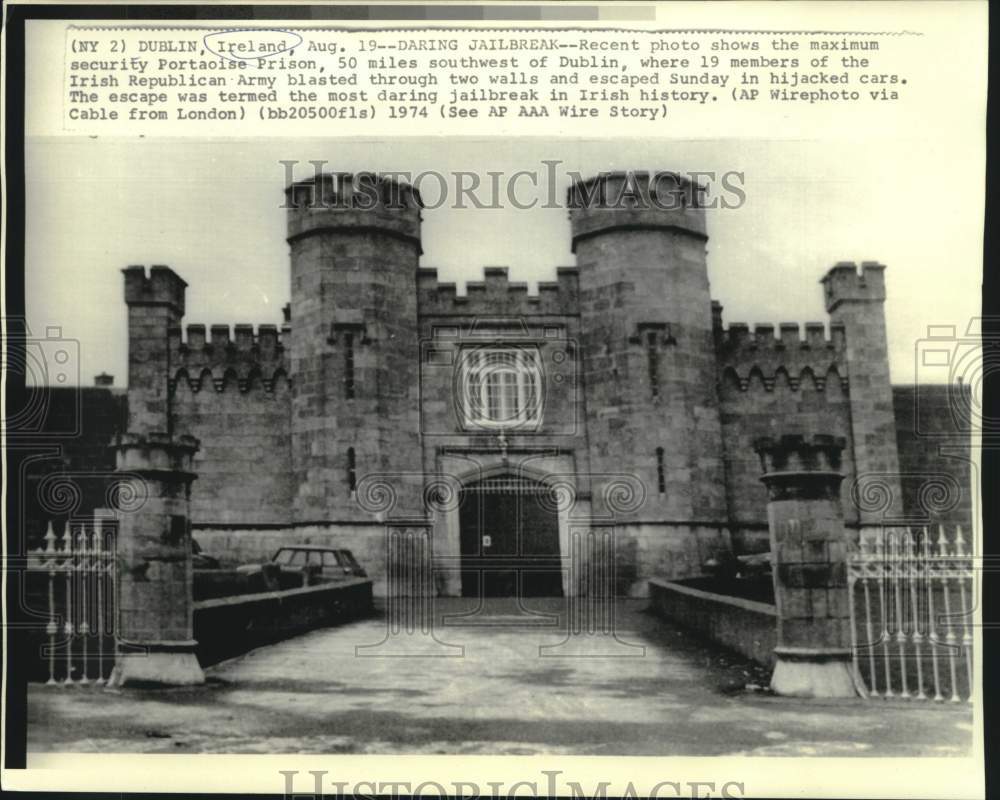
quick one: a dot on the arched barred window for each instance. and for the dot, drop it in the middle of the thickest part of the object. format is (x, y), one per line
(501, 387)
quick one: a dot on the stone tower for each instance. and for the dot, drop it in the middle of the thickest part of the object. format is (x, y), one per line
(648, 349)
(856, 300)
(355, 246)
(155, 306)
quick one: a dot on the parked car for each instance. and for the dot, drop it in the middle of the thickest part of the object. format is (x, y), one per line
(755, 565)
(201, 559)
(325, 563)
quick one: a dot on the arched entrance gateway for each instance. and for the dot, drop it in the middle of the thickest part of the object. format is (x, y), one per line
(509, 538)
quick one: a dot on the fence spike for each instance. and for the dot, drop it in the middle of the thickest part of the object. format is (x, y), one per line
(942, 542)
(960, 549)
(50, 539)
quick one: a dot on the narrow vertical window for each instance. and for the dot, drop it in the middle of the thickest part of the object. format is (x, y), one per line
(660, 480)
(349, 366)
(653, 364)
(352, 475)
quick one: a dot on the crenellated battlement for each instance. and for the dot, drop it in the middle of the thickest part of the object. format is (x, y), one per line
(354, 203)
(844, 282)
(497, 294)
(741, 352)
(228, 356)
(739, 337)
(620, 363)
(161, 287)
(635, 201)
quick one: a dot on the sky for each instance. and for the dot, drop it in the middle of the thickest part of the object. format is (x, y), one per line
(210, 209)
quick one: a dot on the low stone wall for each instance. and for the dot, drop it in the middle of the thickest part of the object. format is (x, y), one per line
(643, 549)
(229, 626)
(746, 626)
(648, 549)
(235, 546)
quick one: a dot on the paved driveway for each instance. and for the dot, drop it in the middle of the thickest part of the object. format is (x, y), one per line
(501, 683)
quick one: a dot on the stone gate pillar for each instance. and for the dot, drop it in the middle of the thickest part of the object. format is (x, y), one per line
(809, 553)
(155, 573)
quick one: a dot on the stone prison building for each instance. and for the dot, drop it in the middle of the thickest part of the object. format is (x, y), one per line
(503, 423)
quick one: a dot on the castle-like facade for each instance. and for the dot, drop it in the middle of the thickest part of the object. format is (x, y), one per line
(614, 398)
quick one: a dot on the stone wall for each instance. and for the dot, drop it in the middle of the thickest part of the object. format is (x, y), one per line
(551, 341)
(244, 461)
(855, 298)
(235, 545)
(640, 378)
(229, 626)
(646, 331)
(772, 385)
(642, 551)
(933, 434)
(496, 295)
(354, 343)
(69, 474)
(746, 626)
(671, 551)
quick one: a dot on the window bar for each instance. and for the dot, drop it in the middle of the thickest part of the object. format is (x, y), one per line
(521, 387)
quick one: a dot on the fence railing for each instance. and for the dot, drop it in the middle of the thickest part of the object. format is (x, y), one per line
(913, 599)
(73, 578)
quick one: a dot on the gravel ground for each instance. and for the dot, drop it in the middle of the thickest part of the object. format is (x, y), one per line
(497, 682)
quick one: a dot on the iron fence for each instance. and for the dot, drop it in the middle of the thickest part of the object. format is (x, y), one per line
(72, 576)
(913, 599)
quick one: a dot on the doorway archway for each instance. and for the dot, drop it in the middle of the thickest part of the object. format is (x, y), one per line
(509, 536)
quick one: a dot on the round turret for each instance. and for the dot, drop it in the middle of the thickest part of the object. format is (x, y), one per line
(647, 338)
(354, 245)
(635, 201)
(361, 202)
